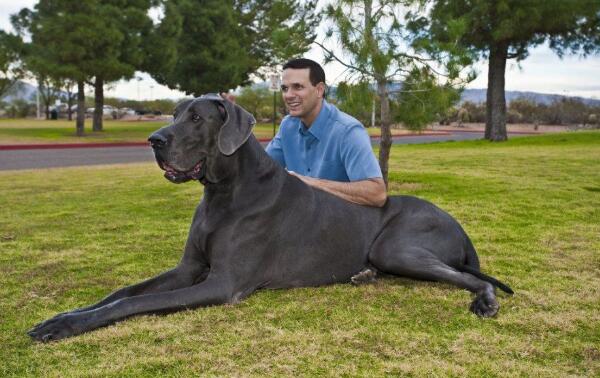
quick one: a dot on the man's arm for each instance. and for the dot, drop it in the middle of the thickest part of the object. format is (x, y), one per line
(370, 192)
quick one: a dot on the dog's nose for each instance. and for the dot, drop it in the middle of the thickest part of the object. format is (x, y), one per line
(157, 140)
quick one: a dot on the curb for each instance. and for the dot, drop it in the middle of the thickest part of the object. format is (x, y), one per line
(50, 146)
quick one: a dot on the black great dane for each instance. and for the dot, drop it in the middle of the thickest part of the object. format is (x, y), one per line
(260, 227)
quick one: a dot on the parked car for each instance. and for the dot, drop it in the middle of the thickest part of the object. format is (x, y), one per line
(106, 110)
(62, 108)
(126, 111)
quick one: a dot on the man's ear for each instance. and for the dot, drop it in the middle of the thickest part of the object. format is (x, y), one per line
(322, 88)
(236, 130)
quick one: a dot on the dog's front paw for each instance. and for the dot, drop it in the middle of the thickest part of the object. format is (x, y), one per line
(485, 305)
(59, 327)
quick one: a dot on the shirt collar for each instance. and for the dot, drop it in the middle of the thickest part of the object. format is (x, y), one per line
(320, 125)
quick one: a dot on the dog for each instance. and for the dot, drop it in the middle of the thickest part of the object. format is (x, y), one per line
(258, 227)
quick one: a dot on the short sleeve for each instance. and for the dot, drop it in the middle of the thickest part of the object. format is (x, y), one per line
(275, 151)
(357, 155)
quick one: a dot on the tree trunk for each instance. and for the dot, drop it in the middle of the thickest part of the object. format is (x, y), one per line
(386, 134)
(495, 122)
(98, 103)
(80, 107)
(69, 102)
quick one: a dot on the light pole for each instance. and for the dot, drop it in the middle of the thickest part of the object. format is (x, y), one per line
(138, 78)
(274, 85)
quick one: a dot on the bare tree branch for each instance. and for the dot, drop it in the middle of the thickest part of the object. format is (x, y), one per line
(348, 66)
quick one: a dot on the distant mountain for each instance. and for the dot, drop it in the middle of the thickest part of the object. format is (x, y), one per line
(479, 95)
(26, 91)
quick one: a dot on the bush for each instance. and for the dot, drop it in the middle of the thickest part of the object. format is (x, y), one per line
(19, 109)
(564, 111)
(527, 110)
(513, 116)
(462, 116)
(476, 112)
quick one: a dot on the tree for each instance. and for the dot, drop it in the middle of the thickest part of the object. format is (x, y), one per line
(223, 42)
(48, 90)
(356, 99)
(376, 47)
(498, 30)
(160, 43)
(258, 101)
(423, 101)
(10, 65)
(89, 41)
(61, 44)
(118, 31)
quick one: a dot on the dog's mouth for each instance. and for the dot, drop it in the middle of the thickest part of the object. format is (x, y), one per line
(177, 176)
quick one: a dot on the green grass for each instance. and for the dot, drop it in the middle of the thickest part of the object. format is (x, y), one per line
(531, 205)
(32, 131)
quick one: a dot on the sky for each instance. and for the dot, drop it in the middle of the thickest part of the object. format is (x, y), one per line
(541, 72)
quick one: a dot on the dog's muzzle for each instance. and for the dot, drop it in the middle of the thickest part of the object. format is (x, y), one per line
(158, 143)
(177, 176)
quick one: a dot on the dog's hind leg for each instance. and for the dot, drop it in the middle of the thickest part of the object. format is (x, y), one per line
(419, 263)
(365, 276)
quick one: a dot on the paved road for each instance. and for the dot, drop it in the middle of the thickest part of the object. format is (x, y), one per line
(50, 158)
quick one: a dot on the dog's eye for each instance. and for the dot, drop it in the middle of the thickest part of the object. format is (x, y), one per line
(195, 117)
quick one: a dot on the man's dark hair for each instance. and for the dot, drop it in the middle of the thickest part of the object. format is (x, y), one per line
(316, 74)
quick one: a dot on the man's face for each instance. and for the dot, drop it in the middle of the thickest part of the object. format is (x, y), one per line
(301, 98)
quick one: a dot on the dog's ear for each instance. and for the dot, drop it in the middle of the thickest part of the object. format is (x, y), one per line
(237, 128)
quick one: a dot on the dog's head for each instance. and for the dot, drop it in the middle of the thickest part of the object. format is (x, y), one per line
(205, 133)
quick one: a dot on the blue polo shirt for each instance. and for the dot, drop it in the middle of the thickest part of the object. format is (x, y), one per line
(336, 147)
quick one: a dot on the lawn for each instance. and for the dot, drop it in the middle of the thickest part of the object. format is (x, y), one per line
(531, 205)
(32, 131)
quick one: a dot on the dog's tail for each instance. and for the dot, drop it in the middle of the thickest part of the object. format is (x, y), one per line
(471, 266)
(485, 277)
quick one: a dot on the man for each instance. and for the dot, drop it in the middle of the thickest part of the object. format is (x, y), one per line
(321, 145)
